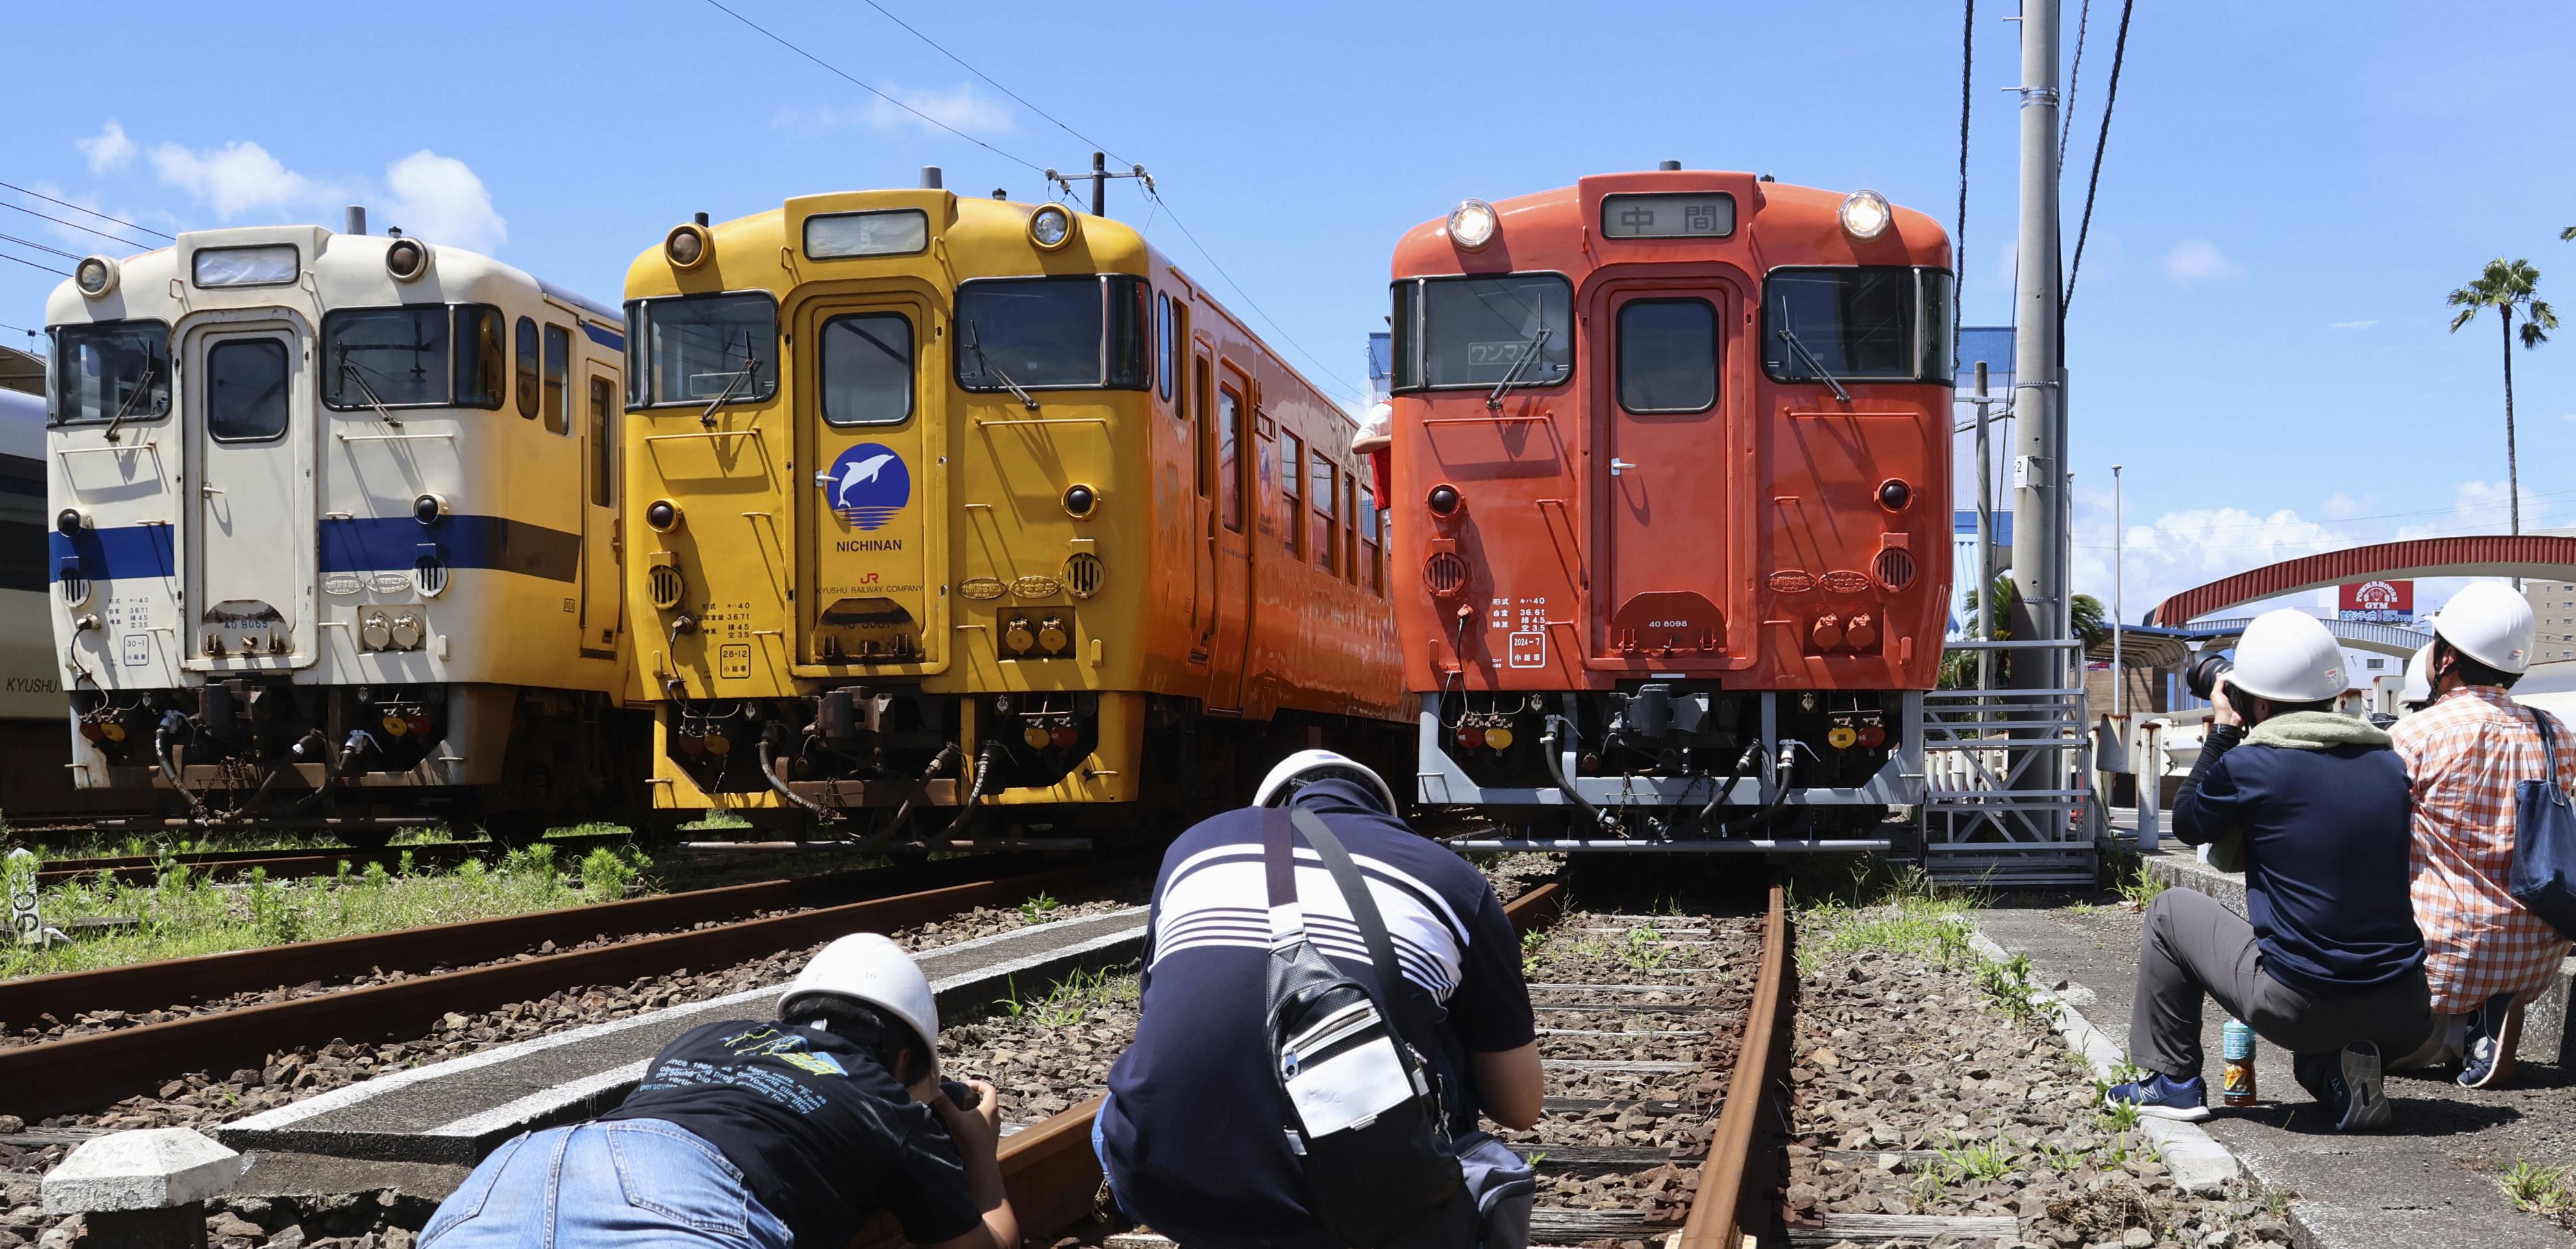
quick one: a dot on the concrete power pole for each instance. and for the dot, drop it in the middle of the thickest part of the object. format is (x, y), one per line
(2039, 432)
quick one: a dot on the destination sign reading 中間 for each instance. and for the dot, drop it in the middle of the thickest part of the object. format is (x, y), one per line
(1679, 215)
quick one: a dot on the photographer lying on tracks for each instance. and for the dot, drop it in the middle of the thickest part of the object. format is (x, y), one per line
(765, 1134)
(2332, 967)
(1273, 1098)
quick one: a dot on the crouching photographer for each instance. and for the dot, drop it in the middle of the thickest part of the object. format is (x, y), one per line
(2330, 966)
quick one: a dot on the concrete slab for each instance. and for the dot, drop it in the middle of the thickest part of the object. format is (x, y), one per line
(454, 1112)
(2416, 1186)
(149, 1169)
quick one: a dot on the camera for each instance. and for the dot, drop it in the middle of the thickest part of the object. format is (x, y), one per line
(2202, 674)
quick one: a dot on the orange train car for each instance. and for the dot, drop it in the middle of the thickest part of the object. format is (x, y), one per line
(1670, 508)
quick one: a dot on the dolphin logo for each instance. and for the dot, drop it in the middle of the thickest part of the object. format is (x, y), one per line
(853, 474)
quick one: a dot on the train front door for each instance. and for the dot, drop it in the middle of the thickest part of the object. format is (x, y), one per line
(250, 490)
(1663, 451)
(875, 487)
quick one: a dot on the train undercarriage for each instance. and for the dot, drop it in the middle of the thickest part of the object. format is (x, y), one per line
(1672, 765)
(363, 761)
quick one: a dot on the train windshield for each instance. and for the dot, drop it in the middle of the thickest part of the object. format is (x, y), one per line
(1052, 333)
(388, 357)
(118, 368)
(1857, 324)
(703, 349)
(1483, 332)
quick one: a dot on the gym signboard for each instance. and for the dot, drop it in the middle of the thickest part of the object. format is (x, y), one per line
(2377, 602)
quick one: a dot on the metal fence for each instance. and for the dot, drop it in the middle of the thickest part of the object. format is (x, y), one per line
(2006, 776)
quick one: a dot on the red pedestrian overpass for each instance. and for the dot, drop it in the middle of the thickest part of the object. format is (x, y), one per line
(2540, 558)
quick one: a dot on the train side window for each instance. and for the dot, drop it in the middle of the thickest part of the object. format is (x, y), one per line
(603, 443)
(1668, 355)
(1200, 409)
(246, 390)
(1163, 342)
(1324, 488)
(1229, 444)
(1373, 538)
(527, 370)
(1350, 536)
(482, 357)
(867, 369)
(1292, 452)
(558, 379)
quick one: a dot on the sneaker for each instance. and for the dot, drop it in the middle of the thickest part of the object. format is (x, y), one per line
(2361, 1104)
(2163, 1097)
(2494, 1030)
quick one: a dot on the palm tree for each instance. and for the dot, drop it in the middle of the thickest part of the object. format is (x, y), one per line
(2507, 285)
(1959, 668)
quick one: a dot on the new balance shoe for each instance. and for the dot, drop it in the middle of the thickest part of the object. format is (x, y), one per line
(2495, 1028)
(2162, 1097)
(2360, 1102)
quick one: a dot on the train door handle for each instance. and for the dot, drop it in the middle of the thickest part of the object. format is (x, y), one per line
(209, 491)
(1617, 464)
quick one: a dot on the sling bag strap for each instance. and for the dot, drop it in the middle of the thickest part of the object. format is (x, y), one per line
(1398, 997)
(2548, 744)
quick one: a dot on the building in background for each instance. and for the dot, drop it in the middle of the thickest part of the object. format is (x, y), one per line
(22, 371)
(2553, 610)
(1992, 344)
(1381, 351)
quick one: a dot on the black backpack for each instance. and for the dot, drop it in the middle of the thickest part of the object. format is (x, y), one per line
(1357, 1100)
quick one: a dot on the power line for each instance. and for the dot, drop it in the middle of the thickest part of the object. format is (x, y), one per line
(12, 238)
(91, 211)
(2074, 78)
(1087, 140)
(33, 265)
(1325, 369)
(844, 76)
(73, 224)
(2110, 100)
(1959, 236)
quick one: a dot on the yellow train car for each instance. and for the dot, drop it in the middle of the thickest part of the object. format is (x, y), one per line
(952, 504)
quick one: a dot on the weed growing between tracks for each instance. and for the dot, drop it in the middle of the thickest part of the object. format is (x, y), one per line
(181, 913)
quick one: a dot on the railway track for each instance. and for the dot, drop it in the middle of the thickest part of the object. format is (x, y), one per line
(422, 973)
(1724, 1041)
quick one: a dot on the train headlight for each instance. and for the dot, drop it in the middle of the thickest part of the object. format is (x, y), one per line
(429, 509)
(1865, 215)
(408, 260)
(70, 520)
(663, 516)
(1894, 494)
(1443, 500)
(1050, 227)
(95, 276)
(687, 245)
(1472, 224)
(1079, 501)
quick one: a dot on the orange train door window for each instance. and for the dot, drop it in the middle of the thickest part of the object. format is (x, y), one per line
(1229, 457)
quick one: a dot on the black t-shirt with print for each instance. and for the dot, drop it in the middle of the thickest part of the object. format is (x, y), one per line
(823, 1134)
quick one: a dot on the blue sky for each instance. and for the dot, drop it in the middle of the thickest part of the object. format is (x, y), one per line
(2258, 333)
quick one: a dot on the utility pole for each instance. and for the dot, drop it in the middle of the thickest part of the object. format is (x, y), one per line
(1985, 535)
(1099, 179)
(2039, 441)
(2119, 599)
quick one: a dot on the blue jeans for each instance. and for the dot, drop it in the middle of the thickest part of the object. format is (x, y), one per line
(632, 1182)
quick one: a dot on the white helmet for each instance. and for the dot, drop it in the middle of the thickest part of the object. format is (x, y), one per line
(2489, 623)
(2288, 656)
(1377, 427)
(1309, 766)
(869, 967)
(2418, 688)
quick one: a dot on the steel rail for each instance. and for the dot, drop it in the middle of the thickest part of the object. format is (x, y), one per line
(1048, 1168)
(1735, 1181)
(86, 1072)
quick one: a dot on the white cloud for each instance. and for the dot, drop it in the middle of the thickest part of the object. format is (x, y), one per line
(2353, 325)
(108, 150)
(440, 199)
(960, 106)
(2341, 505)
(238, 178)
(2199, 260)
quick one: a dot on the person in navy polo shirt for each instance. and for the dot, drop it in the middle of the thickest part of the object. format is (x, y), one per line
(1191, 1133)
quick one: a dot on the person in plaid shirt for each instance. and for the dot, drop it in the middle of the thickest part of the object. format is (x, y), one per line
(2485, 954)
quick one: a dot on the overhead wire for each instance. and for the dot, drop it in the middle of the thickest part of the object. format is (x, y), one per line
(837, 71)
(1959, 236)
(33, 265)
(73, 224)
(91, 211)
(2074, 78)
(1255, 305)
(2110, 101)
(12, 238)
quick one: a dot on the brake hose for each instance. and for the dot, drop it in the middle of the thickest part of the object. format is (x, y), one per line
(170, 772)
(947, 751)
(1751, 753)
(974, 791)
(769, 773)
(1556, 771)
